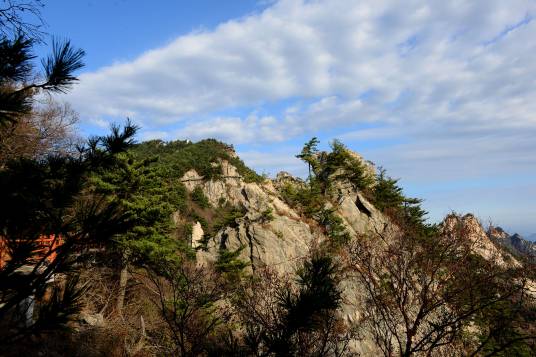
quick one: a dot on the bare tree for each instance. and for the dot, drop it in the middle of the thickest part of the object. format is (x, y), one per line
(189, 300)
(22, 17)
(424, 290)
(285, 317)
(47, 130)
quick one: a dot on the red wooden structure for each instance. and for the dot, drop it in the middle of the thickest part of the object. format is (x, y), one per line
(44, 245)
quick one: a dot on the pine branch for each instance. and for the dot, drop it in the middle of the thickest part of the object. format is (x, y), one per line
(16, 56)
(60, 66)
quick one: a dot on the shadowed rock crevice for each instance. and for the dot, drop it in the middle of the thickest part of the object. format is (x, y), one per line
(361, 207)
(250, 236)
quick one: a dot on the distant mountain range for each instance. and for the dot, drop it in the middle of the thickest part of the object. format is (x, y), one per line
(515, 243)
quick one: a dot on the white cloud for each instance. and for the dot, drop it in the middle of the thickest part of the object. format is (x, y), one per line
(273, 162)
(151, 135)
(98, 122)
(421, 60)
(454, 79)
(371, 134)
(234, 129)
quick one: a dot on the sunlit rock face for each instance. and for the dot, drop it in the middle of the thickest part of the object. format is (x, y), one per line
(284, 239)
(273, 234)
(470, 227)
(515, 243)
(497, 233)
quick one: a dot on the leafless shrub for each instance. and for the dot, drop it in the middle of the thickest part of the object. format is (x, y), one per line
(48, 130)
(425, 291)
(263, 313)
(12, 20)
(190, 299)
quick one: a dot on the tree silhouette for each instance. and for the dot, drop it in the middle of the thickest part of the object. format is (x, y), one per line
(49, 198)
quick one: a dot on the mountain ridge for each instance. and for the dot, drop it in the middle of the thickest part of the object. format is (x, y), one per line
(275, 224)
(515, 243)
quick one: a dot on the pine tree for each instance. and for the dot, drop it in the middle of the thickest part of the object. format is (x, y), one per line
(389, 198)
(16, 68)
(308, 154)
(139, 188)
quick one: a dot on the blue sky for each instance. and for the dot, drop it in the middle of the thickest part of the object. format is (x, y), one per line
(120, 30)
(441, 94)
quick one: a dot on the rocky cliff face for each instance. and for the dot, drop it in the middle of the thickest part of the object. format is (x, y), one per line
(481, 242)
(497, 233)
(273, 234)
(515, 243)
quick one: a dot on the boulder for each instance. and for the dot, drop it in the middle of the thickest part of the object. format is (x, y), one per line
(96, 320)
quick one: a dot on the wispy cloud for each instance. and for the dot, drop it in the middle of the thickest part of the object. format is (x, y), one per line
(454, 79)
(460, 61)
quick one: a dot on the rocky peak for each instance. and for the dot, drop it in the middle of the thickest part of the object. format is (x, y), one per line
(369, 165)
(230, 150)
(515, 243)
(283, 176)
(370, 170)
(272, 232)
(482, 244)
(522, 246)
(497, 233)
(284, 179)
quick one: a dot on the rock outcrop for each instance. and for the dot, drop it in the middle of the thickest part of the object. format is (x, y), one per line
(469, 226)
(271, 233)
(497, 233)
(515, 243)
(284, 238)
